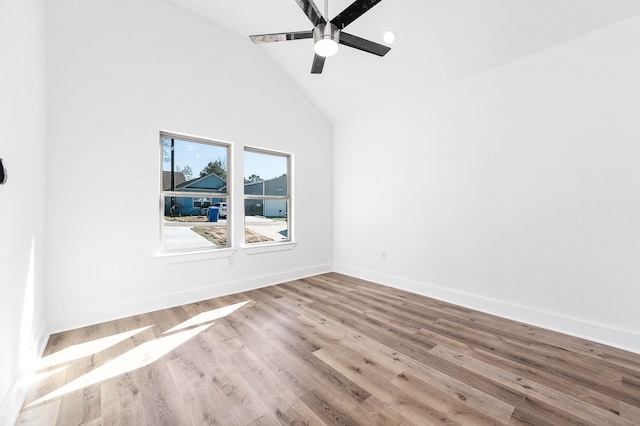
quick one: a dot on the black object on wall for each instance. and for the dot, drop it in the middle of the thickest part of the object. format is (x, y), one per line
(3, 173)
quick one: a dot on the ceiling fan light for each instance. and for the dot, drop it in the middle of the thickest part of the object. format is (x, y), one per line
(326, 38)
(389, 37)
(325, 47)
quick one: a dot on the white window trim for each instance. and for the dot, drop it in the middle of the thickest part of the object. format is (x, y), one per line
(171, 258)
(269, 247)
(205, 253)
(289, 243)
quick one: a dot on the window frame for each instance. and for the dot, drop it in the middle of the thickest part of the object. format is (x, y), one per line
(224, 197)
(287, 198)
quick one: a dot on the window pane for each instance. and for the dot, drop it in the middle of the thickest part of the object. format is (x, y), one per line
(187, 227)
(265, 174)
(198, 167)
(266, 221)
(193, 166)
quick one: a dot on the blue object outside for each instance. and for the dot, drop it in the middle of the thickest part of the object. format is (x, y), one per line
(213, 214)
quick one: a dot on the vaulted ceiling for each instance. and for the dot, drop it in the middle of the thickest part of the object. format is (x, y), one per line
(438, 41)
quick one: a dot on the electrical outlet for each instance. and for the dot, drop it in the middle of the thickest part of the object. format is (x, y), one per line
(383, 256)
(229, 262)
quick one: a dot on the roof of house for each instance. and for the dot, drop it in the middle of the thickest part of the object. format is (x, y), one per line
(166, 179)
(210, 182)
(213, 182)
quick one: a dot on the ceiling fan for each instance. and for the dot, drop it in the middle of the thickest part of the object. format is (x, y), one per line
(327, 35)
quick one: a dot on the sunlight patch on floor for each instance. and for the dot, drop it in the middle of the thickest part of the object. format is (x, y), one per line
(134, 359)
(88, 348)
(41, 376)
(208, 316)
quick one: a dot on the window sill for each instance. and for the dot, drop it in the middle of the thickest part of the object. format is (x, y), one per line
(269, 247)
(195, 256)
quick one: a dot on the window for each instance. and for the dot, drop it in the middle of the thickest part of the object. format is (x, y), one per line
(202, 202)
(267, 196)
(194, 181)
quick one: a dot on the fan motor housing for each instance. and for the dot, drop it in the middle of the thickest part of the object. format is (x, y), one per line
(326, 31)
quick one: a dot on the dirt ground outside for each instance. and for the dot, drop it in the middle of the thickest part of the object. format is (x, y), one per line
(217, 234)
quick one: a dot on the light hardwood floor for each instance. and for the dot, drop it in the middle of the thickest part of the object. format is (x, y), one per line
(329, 350)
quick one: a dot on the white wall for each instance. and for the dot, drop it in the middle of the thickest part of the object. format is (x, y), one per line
(22, 146)
(119, 72)
(516, 191)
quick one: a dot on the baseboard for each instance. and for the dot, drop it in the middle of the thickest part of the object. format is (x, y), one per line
(11, 405)
(622, 339)
(72, 320)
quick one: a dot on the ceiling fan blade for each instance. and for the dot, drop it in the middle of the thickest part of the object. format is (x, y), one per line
(311, 10)
(363, 44)
(353, 12)
(318, 64)
(270, 38)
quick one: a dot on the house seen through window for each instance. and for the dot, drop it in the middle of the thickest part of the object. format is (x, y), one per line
(267, 196)
(194, 205)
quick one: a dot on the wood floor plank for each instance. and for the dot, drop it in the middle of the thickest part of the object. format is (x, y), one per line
(328, 407)
(42, 415)
(80, 407)
(370, 353)
(533, 389)
(629, 412)
(329, 350)
(593, 373)
(459, 395)
(456, 409)
(390, 336)
(587, 394)
(204, 404)
(161, 402)
(379, 381)
(280, 400)
(381, 414)
(121, 402)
